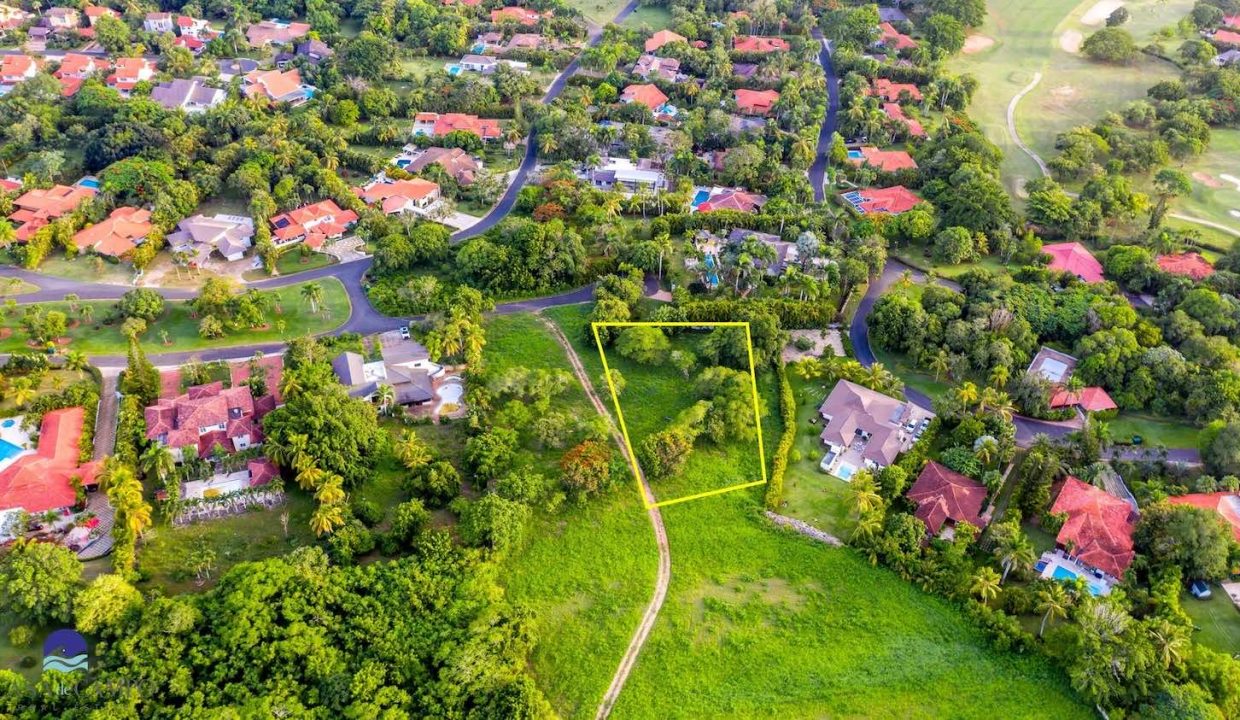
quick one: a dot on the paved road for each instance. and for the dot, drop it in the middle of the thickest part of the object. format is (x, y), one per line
(1026, 428)
(818, 171)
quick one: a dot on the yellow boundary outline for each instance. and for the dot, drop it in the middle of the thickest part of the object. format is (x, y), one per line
(624, 430)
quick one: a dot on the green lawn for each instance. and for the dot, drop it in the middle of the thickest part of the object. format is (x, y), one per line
(599, 12)
(919, 258)
(87, 269)
(53, 380)
(13, 287)
(763, 623)
(653, 17)
(1216, 619)
(1169, 432)
(1214, 198)
(164, 550)
(810, 494)
(1073, 91)
(292, 262)
(182, 328)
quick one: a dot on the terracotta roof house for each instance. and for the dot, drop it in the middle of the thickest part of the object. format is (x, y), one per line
(1072, 257)
(192, 96)
(649, 95)
(758, 44)
(525, 41)
(1226, 37)
(892, 91)
(1226, 504)
(884, 160)
(664, 68)
(466, 3)
(17, 68)
(519, 15)
(272, 368)
(38, 207)
(401, 196)
(458, 163)
(121, 232)
(663, 37)
(892, 201)
(229, 235)
(12, 18)
(888, 35)
(1189, 264)
(42, 480)
(1232, 21)
(7, 185)
(896, 113)
(128, 72)
(74, 68)
(436, 125)
(195, 27)
(756, 102)
(864, 428)
(1098, 531)
(1090, 399)
(1056, 367)
(94, 12)
(315, 223)
(740, 200)
(945, 497)
(207, 416)
(269, 32)
(277, 86)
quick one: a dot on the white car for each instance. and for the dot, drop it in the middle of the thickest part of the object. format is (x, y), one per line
(404, 332)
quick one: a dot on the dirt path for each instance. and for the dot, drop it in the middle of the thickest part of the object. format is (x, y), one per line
(660, 535)
(1011, 123)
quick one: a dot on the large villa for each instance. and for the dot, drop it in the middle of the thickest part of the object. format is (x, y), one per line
(865, 429)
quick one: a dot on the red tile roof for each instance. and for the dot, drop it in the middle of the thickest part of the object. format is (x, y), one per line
(1099, 527)
(42, 481)
(759, 44)
(262, 471)
(885, 160)
(485, 128)
(1232, 21)
(402, 192)
(649, 95)
(756, 102)
(118, 234)
(324, 216)
(891, 91)
(1072, 257)
(895, 112)
(893, 200)
(520, 15)
(180, 421)
(661, 38)
(1226, 37)
(733, 200)
(1091, 399)
(942, 494)
(1190, 264)
(39, 206)
(1226, 504)
(273, 372)
(895, 38)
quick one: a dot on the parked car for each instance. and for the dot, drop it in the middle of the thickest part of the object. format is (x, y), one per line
(1200, 589)
(404, 332)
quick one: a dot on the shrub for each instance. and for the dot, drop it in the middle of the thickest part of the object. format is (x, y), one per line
(368, 511)
(788, 414)
(21, 636)
(141, 303)
(349, 541)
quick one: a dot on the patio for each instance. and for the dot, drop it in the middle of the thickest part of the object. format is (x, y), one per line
(1057, 565)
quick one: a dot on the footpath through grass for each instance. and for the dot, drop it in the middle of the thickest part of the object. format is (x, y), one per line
(182, 328)
(1032, 37)
(764, 623)
(587, 570)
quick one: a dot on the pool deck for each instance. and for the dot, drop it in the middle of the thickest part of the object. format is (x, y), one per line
(1055, 559)
(11, 432)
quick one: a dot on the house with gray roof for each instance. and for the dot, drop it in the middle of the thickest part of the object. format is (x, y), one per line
(192, 96)
(405, 366)
(865, 429)
(229, 235)
(235, 67)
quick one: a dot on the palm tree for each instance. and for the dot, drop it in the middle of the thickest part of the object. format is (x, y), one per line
(76, 360)
(293, 452)
(1018, 553)
(158, 461)
(1052, 602)
(87, 312)
(966, 394)
(941, 364)
(290, 385)
(23, 391)
(986, 451)
(865, 499)
(326, 518)
(999, 376)
(1169, 642)
(868, 527)
(412, 453)
(311, 477)
(985, 585)
(313, 294)
(331, 492)
(73, 299)
(386, 395)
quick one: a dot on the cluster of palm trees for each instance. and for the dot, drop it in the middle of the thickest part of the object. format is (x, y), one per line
(987, 400)
(132, 513)
(294, 452)
(876, 377)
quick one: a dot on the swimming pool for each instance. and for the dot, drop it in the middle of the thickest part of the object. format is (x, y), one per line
(454, 69)
(8, 450)
(89, 182)
(10, 422)
(403, 163)
(1063, 574)
(845, 472)
(478, 48)
(855, 155)
(700, 197)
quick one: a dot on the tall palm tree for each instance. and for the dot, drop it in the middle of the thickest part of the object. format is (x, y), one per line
(985, 585)
(1169, 642)
(386, 395)
(293, 452)
(311, 477)
(999, 376)
(940, 364)
(158, 461)
(76, 360)
(23, 391)
(326, 518)
(865, 499)
(411, 451)
(87, 312)
(867, 528)
(313, 294)
(966, 394)
(331, 492)
(290, 385)
(1016, 554)
(1052, 603)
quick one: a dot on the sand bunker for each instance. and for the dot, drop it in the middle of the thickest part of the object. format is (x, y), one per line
(1231, 179)
(1071, 41)
(977, 43)
(1207, 179)
(1101, 10)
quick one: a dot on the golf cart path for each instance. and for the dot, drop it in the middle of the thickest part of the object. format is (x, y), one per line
(664, 576)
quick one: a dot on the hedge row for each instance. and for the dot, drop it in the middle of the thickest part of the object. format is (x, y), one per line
(788, 413)
(791, 313)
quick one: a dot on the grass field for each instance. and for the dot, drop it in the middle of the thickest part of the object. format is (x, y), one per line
(1029, 38)
(292, 262)
(588, 570)
(763, 623)
(53, 380)
(1169, 432)
(650, 16)
(182, 328)
(810, 494)
(599, 12)
(1214, 197)
(1216, 619)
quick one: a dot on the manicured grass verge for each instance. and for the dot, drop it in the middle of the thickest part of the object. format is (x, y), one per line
(1169, 432)
(810, 494)
(763, 623)
(1216, 619)
(182, 328)
(292, 262)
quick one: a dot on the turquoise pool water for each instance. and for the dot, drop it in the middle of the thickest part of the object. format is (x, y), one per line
(1062, 574)
(89, 182)
(855, 154)
(8, 450)
(845, 472)
(700, 197)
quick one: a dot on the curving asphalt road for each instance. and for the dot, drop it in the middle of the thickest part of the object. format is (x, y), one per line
(817, 171)
(1026, 428)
